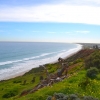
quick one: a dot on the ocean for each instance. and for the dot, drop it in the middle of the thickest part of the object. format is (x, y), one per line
(19, 57)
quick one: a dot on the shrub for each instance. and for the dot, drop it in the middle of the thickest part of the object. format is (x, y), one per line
(89, 98)
(61, 96)
(74, 97)
(58, 96)
(93, 60)
(10, 94)
(49, 98)
(92, 72)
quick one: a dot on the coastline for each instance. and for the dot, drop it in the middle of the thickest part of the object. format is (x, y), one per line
(53, 62)
(75, 52)
(36, 80)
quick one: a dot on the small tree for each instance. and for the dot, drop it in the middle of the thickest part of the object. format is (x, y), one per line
(92, 72)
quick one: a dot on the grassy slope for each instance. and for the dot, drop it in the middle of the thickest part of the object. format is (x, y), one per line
(17, 83)
(70, 85)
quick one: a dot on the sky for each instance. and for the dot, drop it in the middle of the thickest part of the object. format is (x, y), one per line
(71, 21)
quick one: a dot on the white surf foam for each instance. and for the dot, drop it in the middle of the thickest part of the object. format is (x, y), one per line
(26, 59)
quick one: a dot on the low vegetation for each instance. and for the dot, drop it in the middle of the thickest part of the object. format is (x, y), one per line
(81, 82)
(61, 96)
(92, 72)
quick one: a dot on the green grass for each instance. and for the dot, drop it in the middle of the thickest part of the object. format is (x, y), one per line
(76, 83)
(68, 86)
(17, 83)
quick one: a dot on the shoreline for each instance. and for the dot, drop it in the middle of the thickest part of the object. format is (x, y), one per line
(53, 62)
(50, 77)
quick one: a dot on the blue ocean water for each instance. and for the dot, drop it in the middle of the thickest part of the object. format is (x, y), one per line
(19, 57)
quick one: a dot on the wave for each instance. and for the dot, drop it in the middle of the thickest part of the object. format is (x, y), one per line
(27, 64)
(30, 58)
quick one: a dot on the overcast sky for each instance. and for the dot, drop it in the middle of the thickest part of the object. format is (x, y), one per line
(50, 20)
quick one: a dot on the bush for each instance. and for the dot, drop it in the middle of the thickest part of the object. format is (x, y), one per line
(74, 97)
(11, 93)
(61, 96)
(93, 60)
(58, 96)
(89, 98)
(49, 98)
(92, 72)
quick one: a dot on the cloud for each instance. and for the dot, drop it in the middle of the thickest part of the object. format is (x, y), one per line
(74, 32)
(83, 32)
(82, 2)
(52, 13)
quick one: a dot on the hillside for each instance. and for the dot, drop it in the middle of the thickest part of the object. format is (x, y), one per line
(68, 76)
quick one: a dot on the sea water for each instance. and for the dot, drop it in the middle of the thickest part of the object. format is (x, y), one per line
(19, 57)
